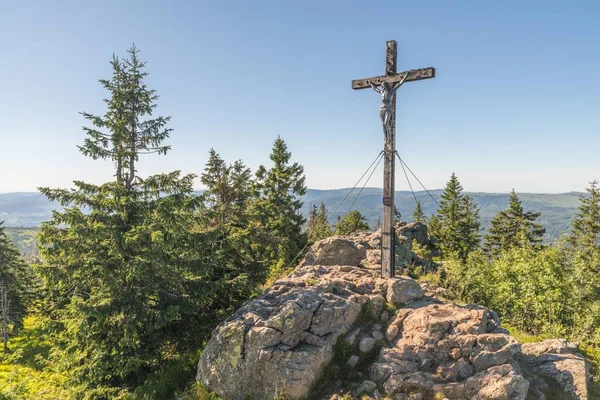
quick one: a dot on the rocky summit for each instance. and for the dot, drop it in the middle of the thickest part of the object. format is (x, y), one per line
(334, 327)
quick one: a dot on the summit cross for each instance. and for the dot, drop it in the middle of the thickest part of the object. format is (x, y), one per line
(387, 85)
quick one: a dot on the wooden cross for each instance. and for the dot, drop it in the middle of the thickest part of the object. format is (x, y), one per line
(388, 236)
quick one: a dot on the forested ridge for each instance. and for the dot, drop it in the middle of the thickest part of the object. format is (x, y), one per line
(130, 276)
(31, 209)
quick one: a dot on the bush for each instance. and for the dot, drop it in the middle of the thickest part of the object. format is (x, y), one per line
(538, 291)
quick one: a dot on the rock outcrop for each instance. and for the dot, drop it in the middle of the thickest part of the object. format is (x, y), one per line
(555, 361)
(364, 249)
(330, 329)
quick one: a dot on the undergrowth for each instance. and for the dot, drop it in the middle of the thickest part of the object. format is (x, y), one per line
(26, 372)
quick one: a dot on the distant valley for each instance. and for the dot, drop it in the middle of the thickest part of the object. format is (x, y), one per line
(30, 209)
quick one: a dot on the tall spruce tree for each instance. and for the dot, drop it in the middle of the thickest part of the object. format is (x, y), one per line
(127, 273)
(513, 227)
(418, 214)
(585, 229)
(277, 204)
(456, 225)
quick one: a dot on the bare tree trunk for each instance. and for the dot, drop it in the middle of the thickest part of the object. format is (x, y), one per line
(4, 304)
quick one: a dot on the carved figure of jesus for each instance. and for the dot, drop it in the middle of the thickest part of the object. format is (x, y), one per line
(387, 95)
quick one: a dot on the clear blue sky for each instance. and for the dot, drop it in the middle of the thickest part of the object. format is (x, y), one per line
(515, 103)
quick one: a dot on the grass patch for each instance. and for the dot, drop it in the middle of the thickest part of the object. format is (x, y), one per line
(524, 337)
(431, 277)
(196, 391)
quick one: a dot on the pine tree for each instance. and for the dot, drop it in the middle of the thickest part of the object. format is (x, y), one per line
(353, 222)
(418, 214)
(456, 224)
(585, 229)
(513, 227)
(277, 204)
(129, 276)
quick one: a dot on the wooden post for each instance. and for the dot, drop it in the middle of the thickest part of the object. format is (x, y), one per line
(388, 235)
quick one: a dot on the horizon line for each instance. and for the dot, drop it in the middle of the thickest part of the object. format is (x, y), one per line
(349, 188)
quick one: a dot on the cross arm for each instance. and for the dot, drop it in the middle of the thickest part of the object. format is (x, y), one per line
(413, 75)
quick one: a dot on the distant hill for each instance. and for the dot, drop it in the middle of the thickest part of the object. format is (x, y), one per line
(557, 209)
(29, 209)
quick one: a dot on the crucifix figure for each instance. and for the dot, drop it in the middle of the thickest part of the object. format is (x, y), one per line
(387, 85)
(386, 112)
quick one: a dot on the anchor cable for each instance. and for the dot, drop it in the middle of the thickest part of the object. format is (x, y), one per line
(355, 185)
(367, 181)
(342, 202)
(418, 180)
(408, 180)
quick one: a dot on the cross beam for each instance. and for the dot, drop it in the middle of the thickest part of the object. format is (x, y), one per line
(413, 75)
(388, 234)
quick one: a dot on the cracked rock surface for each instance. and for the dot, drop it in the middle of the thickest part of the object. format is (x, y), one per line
(281, 342)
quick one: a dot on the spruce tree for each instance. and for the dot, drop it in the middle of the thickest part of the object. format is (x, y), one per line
(312, 217)
(513, 227)
(469, 227)
(456, 224)
(418, 214)
(227, 190)
(322, 228)
(215, 179)
(227, 200)
(585, 229)
(277, 204)
(241, 182)
(353, 222)
(318, 227)
(128, 274)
